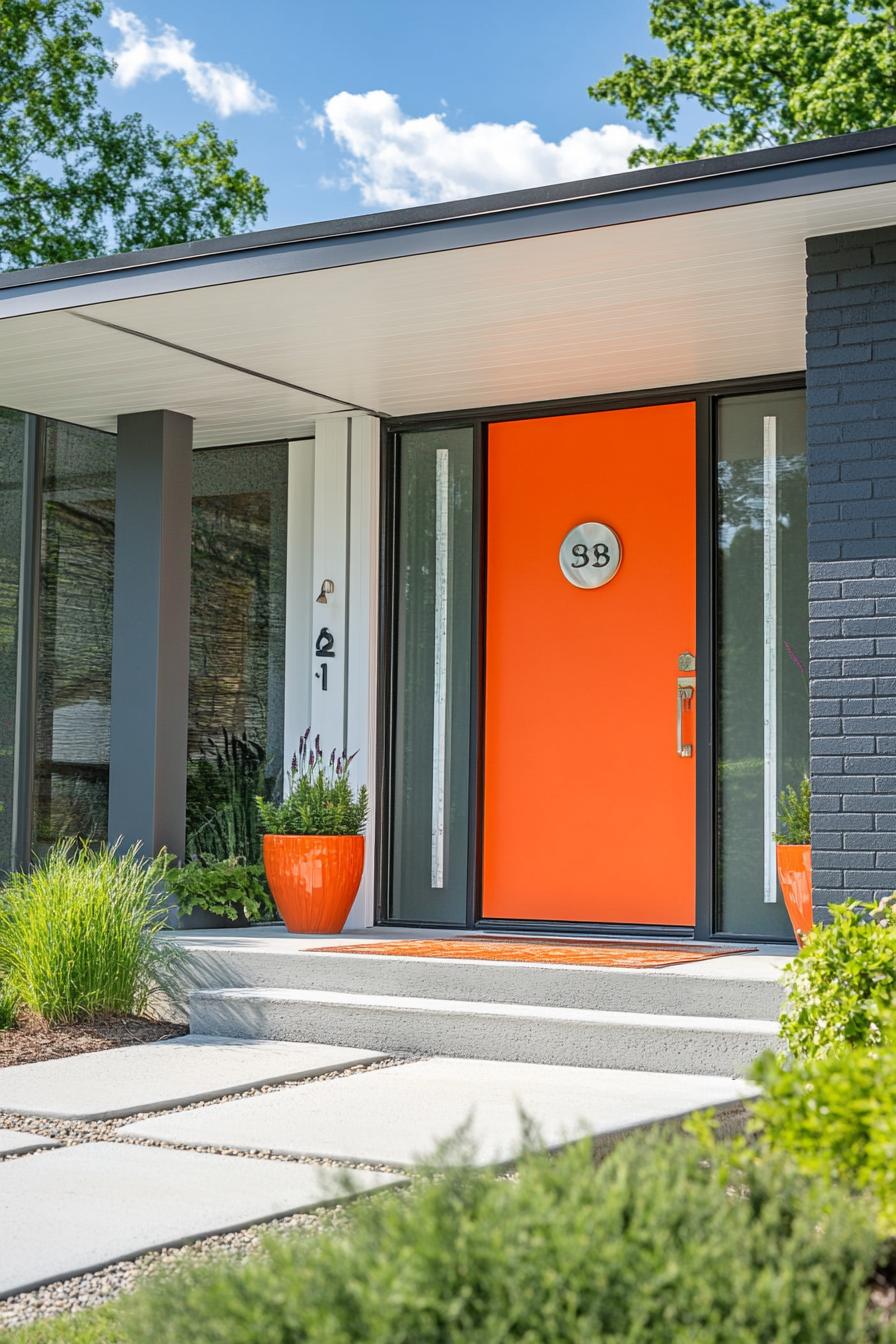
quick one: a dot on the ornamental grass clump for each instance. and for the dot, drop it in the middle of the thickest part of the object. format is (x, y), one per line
(319, 798)
(78, 933)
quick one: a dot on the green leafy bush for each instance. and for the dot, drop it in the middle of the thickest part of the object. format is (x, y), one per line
(222, 785)
(843, 981)
(835, 1115)
(78, 933)
(663, 1243)
(319, 799)
(231, 889)
(793, 814)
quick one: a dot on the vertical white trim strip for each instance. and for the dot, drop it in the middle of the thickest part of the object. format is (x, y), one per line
(299, 580)
(330, 562)
(770, 648)
(440, 671)
(363, 626)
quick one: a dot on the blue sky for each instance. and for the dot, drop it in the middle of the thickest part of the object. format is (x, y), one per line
(352, 105)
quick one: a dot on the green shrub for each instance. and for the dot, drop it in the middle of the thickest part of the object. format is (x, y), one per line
(78, 932)
(660, 1244)
(231, 889)
(843, 982)
(835, 1115)
(96, 1325)
(793, 814)
(319, 800)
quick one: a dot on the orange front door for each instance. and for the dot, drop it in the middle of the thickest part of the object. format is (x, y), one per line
(589, 809)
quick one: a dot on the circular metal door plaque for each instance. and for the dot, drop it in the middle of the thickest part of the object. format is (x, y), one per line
(590, 555)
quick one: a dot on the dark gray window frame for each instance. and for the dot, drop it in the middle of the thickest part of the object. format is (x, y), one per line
(705, 397)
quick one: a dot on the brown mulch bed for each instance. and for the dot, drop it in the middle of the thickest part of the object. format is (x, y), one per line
(33, 1039)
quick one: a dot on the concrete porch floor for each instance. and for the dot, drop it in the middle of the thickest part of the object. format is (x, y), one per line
(764, 964)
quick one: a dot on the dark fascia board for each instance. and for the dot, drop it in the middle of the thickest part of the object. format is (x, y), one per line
(863, 159)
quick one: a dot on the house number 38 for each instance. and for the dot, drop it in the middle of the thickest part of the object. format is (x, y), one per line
(590, 555)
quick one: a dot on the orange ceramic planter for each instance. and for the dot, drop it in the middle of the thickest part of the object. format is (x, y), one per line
(314, 879)
(795, 876)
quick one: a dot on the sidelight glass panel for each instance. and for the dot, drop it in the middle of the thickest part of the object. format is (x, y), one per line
(433, 611)
(12, 464)
(763, 647)
(237, 619)
(74, 651)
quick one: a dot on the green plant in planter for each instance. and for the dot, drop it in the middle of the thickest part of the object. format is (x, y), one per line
(793, 810)
(319, 798)
(229, 888)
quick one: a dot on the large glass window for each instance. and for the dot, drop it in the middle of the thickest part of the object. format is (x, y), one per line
(433, 619)
(237, 629)
(74, 652)
(12, 461)
(763, 639)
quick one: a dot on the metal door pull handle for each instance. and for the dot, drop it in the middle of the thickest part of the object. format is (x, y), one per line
(684, 696)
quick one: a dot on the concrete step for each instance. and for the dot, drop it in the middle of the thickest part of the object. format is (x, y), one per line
(524, 1033)
(737, 987)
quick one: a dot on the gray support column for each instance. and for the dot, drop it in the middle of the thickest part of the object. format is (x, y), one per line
(151, 631)
(851, 395)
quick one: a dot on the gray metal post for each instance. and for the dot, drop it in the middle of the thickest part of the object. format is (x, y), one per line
(151, 631)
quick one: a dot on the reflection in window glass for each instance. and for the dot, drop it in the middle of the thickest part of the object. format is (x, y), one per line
(763, 646)
(238, 609)
(432, 676)
(74, 655)
(12, 461)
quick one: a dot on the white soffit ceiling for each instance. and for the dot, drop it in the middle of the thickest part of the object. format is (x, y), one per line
(661, 303)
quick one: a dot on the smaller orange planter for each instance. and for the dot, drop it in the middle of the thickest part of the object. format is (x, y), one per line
(795, 876)
(314, 879)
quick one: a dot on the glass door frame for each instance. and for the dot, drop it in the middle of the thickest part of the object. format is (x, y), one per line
(705, 397)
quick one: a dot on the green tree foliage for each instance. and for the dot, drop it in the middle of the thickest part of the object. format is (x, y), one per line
(768, 73)
(74, 180)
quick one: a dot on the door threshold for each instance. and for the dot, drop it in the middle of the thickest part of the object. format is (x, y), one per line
(585, 932)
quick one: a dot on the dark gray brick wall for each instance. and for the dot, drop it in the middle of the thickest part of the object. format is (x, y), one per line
(851, 431)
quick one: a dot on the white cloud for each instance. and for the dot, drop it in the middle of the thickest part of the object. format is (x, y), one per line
(397, 160)
(141, 56)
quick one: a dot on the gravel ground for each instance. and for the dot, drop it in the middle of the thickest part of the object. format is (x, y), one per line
(91, 1290)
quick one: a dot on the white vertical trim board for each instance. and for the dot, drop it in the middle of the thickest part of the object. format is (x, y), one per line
(770, 648)
(363, 633)
(330, 562)
(299, 564)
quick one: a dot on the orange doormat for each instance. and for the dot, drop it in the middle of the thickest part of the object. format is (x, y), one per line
(637, 956)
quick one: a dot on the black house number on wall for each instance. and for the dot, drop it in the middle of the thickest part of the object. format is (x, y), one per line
(323, 648)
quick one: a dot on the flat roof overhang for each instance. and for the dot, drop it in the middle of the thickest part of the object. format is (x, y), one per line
(655, 278)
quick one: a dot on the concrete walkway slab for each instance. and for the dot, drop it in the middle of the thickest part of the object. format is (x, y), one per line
(12, 1142)
(107, 1083)
(400, 1115)
(77, 1209)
